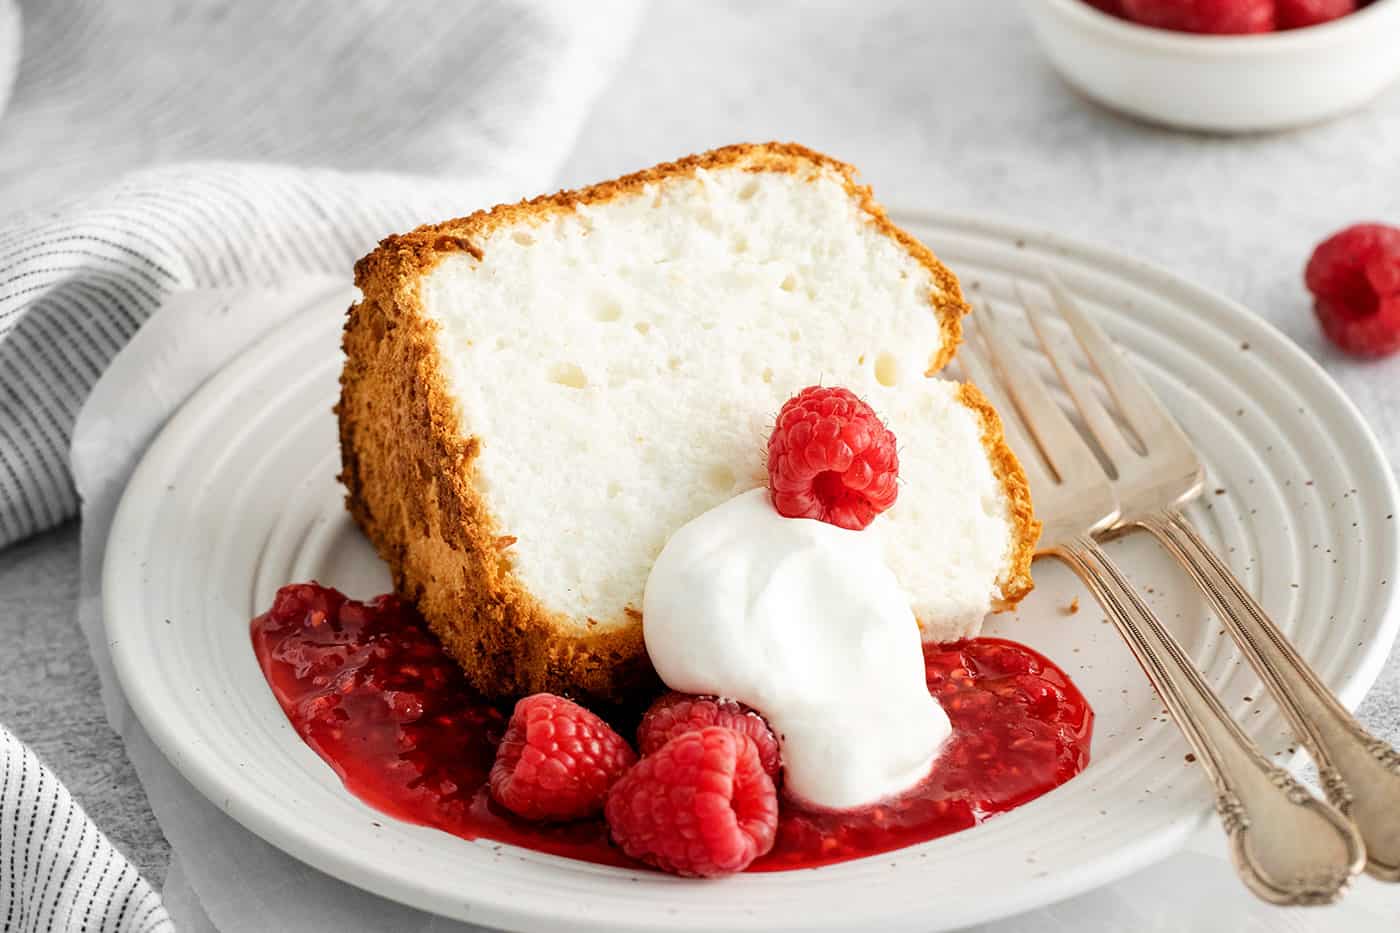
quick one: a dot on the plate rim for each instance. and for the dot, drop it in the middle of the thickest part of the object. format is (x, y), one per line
(130, 522)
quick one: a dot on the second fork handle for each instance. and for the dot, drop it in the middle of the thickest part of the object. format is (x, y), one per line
(1288, 846)
(1359, 772)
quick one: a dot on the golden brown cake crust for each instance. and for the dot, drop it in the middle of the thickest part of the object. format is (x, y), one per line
(408, 468)
(1016, 578)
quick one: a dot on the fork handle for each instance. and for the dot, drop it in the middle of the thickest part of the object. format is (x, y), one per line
(1288, 846)
(1360, 773)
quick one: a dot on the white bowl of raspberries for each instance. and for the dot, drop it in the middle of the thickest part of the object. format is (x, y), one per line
(1228, 66)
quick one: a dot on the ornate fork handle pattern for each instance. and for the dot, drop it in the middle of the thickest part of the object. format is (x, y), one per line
(1360, 773)
(1288, 846)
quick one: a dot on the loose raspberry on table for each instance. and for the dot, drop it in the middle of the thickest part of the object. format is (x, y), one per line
(831, 458)
(1354, 276)
(678, 713)
(1203, 16)
(1296, 14)
(557, 760)
(701, 805)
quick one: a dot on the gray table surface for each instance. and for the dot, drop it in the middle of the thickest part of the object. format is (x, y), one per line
(49, 694)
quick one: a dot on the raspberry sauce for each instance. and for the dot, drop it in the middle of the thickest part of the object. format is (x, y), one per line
(374, 694)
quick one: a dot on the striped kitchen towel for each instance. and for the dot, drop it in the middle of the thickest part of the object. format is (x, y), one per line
(57, 871)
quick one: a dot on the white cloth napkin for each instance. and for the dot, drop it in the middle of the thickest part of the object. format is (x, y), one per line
(488, 96)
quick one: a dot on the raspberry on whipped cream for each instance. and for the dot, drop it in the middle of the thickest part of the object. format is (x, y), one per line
(830, 457)
(804, 622)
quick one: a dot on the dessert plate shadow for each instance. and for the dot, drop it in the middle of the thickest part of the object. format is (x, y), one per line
(238, 496)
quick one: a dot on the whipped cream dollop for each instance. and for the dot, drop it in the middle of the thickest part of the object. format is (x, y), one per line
(804, 622)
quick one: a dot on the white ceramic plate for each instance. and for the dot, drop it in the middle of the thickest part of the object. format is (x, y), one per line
(238, 496)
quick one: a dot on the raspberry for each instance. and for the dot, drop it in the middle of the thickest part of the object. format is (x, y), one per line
(701, 805)
(1354, 276)
(1111, 7)
(832, 459)
(678, 713)
(1204, 16)
(1295, 14)
(557, 760)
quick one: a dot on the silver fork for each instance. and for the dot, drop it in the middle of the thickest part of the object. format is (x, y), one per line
(1288, 846)
(1359, 773)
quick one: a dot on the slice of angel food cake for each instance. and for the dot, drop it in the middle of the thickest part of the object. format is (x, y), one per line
(537, 397)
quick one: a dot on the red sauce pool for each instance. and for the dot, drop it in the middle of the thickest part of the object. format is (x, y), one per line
(372, 692)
